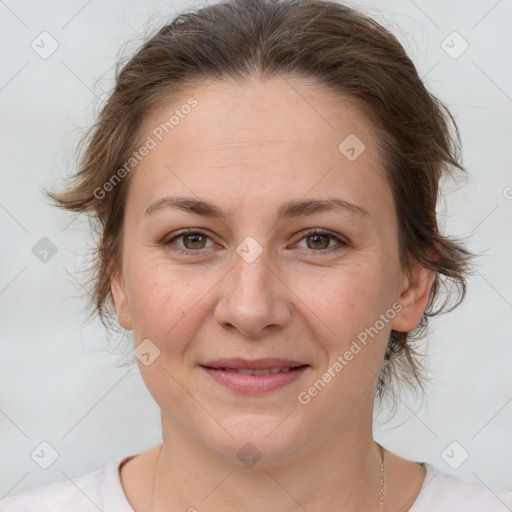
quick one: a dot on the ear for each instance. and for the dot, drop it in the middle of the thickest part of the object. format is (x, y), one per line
(118, 289)
(414, 295)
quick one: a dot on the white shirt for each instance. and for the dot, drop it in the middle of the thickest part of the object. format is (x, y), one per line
(102, 490)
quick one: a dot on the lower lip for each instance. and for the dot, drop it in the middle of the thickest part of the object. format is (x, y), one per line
(248, 383)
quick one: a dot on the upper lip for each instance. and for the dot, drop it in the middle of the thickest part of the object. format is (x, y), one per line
(252, 364)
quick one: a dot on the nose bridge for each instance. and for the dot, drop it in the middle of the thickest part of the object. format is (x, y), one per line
(251, 272)
(252, 296)
(251, 278)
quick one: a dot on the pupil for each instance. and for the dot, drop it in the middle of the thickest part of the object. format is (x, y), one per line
(316, 238)
(195, 238)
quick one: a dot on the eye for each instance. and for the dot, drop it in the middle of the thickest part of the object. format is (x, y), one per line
(319, 241)
(193, 241)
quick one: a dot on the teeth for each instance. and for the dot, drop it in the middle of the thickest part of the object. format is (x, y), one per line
(265, 371)
(244, 370)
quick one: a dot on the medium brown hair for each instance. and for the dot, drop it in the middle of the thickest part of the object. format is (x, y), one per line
(347, 52)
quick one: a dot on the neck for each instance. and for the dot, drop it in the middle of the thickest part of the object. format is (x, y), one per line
(342, 472)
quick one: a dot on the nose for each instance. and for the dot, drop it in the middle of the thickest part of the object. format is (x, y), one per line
(253, 299)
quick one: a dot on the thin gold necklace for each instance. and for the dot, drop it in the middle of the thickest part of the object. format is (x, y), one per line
(382, 483)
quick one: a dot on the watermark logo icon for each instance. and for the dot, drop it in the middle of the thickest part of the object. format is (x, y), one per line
(44, 455)
(454, 455)
(44, 250)
(146, 352)
(45, 45)
(249, 249)
(454, 45)
(249, 455)
(351, 147)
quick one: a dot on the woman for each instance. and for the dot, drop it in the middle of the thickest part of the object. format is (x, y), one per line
(265, 176)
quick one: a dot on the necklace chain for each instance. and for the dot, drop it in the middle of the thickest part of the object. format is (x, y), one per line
(382, 483)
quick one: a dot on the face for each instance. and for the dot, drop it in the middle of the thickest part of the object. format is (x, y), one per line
(262, 272)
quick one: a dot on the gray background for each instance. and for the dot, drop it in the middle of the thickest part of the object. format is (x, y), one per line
(58, 383)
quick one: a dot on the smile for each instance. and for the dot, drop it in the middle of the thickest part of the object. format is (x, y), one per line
(265, 371)
(242, 379)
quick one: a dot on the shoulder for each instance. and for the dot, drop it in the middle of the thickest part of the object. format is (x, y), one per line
(444, 492)
(81, 494)
(91, 492)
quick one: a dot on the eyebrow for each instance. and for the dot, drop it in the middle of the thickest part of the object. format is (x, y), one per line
(289, 209)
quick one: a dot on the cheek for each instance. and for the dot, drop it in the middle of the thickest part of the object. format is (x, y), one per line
(166, 300)
(345, 307)
(348, 299)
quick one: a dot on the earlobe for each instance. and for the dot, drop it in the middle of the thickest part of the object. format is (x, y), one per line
(118, 289)
(414, 297)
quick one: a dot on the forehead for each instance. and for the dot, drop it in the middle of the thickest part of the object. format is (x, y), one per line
(251, 112)
(254, 137)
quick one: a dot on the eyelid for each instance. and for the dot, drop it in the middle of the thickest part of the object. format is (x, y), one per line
(321, 231)
(342, 242)
(174, 236)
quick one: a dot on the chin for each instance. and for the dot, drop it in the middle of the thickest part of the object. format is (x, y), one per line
(259, 439)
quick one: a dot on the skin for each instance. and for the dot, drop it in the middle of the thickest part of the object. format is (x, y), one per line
(248, 148)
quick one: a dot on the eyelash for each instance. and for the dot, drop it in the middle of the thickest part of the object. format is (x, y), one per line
(323, 252)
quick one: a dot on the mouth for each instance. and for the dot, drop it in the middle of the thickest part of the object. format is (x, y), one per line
(255, 376)
(263, 371)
